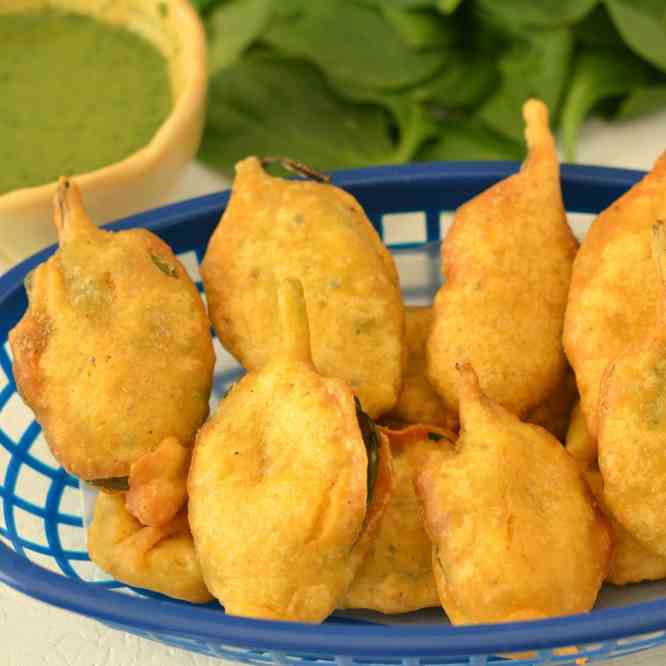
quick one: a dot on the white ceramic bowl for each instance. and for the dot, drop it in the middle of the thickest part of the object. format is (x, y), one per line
(143, 179)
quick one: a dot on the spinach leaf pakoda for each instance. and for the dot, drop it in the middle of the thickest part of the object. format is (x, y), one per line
(631, 562)
(614, 286)
(632, 425)
(275, 229)
(288, 484)
(507, 262)
(515, 532)
(114, 353)
(397, 575)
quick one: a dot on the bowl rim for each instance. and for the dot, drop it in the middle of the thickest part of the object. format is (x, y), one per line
(365, 640)
(192, 95)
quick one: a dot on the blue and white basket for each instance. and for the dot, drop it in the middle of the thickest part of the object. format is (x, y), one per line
(42, 545)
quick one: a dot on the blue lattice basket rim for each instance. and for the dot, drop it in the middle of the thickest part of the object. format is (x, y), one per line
(587, 189)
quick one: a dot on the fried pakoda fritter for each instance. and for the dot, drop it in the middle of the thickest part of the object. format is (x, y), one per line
(507, 261)
(632, 425)
(274, 229)
(613, 297)
(418, 402)
(397, 575)
(284, 496)
(630, 562)
(161, 559)
(515, 532)
(554, 413)
(114, 353)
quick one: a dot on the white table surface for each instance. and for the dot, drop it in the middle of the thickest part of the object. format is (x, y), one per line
(35, 634)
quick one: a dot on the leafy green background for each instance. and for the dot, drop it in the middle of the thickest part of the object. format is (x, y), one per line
(344, 83)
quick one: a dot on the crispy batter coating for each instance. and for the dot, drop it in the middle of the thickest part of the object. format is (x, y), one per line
(554, 413)
(418, 402)
(114, 352)
(397, 575)
(515, 532)
(278, 485)
(156, 558)
(507, 262)
(274, 229)
(631, 562)
(158, 483)
(613, 296)
(632, 426)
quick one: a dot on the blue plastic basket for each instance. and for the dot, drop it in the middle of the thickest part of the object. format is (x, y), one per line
(42, 552)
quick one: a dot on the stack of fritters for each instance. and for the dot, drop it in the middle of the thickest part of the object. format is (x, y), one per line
(289, 501)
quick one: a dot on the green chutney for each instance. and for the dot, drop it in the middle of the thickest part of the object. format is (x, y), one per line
(76, 94)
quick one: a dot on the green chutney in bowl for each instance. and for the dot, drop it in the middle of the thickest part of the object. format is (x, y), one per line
(77, 94)
(109, 92)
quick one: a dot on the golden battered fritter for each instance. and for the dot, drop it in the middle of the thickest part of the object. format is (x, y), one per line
(155, 558)
(284, 499)
(613, 297)
(397, 576)
(507, 263)
(632, 425)
(630, 562)
(418, 402)
(274, 229)
(516, 535)
(114, 353)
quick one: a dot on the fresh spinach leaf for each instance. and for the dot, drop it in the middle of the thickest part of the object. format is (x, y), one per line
(422, 30)
(356, 82)
(465, 80)
(534, 67)
(289, 8)
(597, 75)
(468, 139)
(642, 24)
(371, 441)
(448, 6)
(597, 29)
(412, 121)
(445, 6)
(353, 42)
(520, 16)
(641, 100)
(264, 104)
(232, 28)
